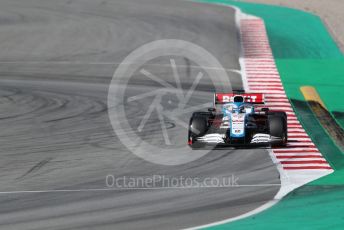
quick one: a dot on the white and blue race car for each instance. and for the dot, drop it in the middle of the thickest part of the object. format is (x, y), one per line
(235, 121)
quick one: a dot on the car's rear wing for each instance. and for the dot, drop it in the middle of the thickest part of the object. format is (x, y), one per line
(253, 98)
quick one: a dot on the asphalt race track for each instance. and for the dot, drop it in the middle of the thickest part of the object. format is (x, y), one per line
(57, 59)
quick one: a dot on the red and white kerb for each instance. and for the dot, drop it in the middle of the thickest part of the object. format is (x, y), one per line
(263, 77)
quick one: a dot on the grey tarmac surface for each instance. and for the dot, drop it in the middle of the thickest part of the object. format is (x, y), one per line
(56, 62)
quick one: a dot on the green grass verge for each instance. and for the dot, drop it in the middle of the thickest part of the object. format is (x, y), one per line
(305, 54)
(326, 75)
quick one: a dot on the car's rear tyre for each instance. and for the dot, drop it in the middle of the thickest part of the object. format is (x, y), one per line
(278, 128)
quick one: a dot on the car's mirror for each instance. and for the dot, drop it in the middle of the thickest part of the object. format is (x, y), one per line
(211, 109)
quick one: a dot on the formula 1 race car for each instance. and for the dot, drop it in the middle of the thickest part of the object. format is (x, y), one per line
(235, 121)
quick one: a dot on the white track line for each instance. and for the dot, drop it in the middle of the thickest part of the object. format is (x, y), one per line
(135, 188)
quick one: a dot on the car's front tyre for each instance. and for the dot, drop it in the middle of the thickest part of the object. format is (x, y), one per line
(278, 129)
(198, 127)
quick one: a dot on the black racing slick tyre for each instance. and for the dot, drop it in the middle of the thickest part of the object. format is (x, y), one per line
(278, 130)
(198, 127)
